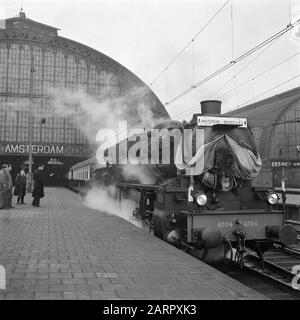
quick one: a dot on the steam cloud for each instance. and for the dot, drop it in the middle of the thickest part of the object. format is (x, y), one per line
(105, 200)
(135, 172)
(104, 111)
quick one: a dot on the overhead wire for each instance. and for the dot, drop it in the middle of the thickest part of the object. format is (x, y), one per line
(232, 38)
(193, 62)
(269, 41)
(289, 11)
(216, 96)
(242, 84)
(275, 87)
(231, 63)
(188, 44)
(260, 74)
(244, 68)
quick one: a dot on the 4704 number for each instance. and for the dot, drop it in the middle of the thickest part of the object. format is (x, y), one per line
(245, 223)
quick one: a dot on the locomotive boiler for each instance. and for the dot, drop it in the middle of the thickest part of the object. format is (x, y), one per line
(203, 199)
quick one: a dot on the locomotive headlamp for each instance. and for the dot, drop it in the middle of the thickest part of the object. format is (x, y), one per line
(201, 198)
(273, 198)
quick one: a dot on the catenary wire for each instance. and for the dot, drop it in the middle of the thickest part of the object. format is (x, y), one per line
(189, 43)
(231, 63)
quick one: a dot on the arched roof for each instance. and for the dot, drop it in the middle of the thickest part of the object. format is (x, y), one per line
(264, 114)
(21, 28)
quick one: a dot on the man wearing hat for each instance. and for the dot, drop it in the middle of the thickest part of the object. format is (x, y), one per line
(4, 188)
(38, 189)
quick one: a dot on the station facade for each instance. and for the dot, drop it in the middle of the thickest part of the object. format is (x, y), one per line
(34, 61)
(275, 123)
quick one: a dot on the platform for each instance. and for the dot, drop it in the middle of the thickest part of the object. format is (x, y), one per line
(64, 250)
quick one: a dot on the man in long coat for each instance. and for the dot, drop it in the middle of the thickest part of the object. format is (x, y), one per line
(38, 188)
(20, 186)
(3, 188)
(7, 171)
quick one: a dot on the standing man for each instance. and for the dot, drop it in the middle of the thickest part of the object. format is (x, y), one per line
(10, 186)
(3, 188)
(38, 187)
(20, 186)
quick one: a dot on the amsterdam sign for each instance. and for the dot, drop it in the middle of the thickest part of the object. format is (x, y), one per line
(36, 149)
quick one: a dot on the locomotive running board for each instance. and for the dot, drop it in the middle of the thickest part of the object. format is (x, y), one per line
(138, 186)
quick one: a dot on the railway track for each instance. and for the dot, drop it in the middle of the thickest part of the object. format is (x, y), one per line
(280, 266)
(274, 277)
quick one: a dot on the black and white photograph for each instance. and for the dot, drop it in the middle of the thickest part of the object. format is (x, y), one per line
(149, 153)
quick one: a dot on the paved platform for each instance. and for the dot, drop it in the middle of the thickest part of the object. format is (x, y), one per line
(64, 250)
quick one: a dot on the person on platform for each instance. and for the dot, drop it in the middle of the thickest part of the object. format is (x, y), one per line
(20, 187)
(7, 171)
(3, 188)
(38, 186)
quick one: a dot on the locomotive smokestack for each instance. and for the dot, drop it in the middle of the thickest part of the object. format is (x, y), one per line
(208, 107)
(211, 107)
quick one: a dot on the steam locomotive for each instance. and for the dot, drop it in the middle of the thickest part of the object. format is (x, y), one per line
(203, 200)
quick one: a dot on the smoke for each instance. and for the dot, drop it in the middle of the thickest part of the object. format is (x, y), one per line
(107, 201)
(91, 114)
(136, 172)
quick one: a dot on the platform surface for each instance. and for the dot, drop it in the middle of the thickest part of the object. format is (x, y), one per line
(64, 250)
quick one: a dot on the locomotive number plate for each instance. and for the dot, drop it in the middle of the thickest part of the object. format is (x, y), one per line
(225, 224)
(230, 224)
(250, 223)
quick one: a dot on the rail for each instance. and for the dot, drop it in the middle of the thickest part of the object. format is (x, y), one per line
(277, 267)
